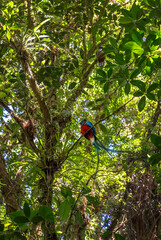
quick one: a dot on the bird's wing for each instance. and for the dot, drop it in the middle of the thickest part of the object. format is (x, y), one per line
(91, 125)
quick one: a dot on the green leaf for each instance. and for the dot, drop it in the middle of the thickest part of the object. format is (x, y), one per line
(109, 73)
(113, 42)
(92, 200)
(79, 218)
(21, 219)
(36, 170)
(135, 9)
(10, 4)
(134, 73)
(108, 49)
(127, 88)
(72, 85)
(142, 103)
(155, 159)
(1, 111)
(66, 192)
(137, 37)
(86, 191)
(119, 237)
(26, 210)
(46, 213)
(95, 29)
(126, 13)
(138, 94)
(151, 96)
(141, 61)
(134, 47)
(2, 20)
(101, 79)
(101, 72)
(152, 87)
(159, 237)
(156, 140)
(2, 95)
(1, 227)
(125, 20)
(42, 23)
(148, 70)
(56, 84)
(44, 210)
(141, 85)
(64, 209)
(119, 58)
(103, 128)
(106, 234)
(34, 212)
(84, 185)
(37, 219)
(12, 215)
(106, 87)
(8, 34)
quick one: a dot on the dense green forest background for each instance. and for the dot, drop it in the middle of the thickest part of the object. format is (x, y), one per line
(49, 81)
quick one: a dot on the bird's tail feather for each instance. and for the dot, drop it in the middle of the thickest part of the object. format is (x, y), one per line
(97, 146)
(100, 145)
(98, 160)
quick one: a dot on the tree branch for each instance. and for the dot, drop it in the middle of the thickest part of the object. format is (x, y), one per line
(29, 16)
(155, 118)
(24, 59)
(20, 122)
(35, 88)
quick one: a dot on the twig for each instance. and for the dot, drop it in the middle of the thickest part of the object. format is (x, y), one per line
(121, 225)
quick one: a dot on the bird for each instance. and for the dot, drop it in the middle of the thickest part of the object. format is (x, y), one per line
(89, 132)
(101, 59)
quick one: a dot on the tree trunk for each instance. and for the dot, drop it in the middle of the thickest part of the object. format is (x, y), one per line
(10, 189)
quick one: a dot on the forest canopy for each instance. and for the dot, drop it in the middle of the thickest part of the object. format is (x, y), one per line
(62, 62)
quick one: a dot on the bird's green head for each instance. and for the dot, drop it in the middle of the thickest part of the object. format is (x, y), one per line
(83, 121)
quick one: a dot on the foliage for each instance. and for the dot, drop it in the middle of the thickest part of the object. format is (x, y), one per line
(49, 81)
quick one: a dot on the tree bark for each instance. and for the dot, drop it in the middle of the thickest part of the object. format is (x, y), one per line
(10, 189)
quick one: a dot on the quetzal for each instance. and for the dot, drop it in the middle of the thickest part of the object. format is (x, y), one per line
(91, 135)
(101, 60)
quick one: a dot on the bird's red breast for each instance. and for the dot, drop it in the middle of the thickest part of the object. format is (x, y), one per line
(84, 129)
